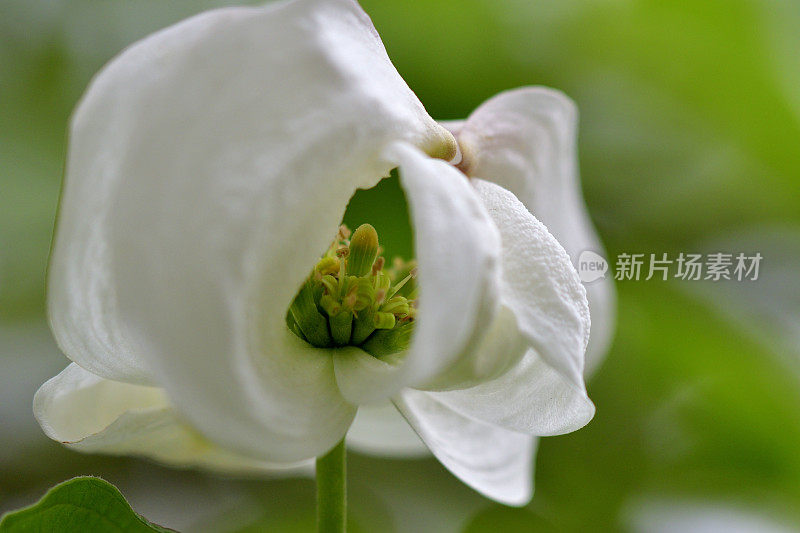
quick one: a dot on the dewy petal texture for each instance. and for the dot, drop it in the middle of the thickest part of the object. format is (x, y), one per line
(544, 393)
(539, 284)
(492, 460)
(525, 141)
(92, 414)
(209, 166)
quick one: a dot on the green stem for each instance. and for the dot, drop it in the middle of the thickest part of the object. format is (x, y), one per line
(332, 490)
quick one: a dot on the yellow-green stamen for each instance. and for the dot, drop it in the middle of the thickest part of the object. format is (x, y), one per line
(351, 299)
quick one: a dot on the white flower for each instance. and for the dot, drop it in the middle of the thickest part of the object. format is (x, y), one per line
(210, 165)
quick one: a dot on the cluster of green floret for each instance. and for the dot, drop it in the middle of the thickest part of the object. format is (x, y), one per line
(352, 299)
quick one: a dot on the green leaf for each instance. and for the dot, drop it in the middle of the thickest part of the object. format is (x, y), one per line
(80, 504)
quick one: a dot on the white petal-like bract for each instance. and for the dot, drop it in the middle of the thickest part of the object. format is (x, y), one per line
(492, 460)
(525, 140)
(92, 414)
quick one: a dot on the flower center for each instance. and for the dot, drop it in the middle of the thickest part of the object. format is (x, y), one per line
(352, 298)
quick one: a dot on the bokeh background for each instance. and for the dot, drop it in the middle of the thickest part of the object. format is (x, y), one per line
(689, 142)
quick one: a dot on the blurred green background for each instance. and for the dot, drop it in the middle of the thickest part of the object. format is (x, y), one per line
(689, 140)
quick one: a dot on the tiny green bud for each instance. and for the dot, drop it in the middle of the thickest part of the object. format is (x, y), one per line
(396, 305)
(363, 250)
(384, 321)
(327, 265)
